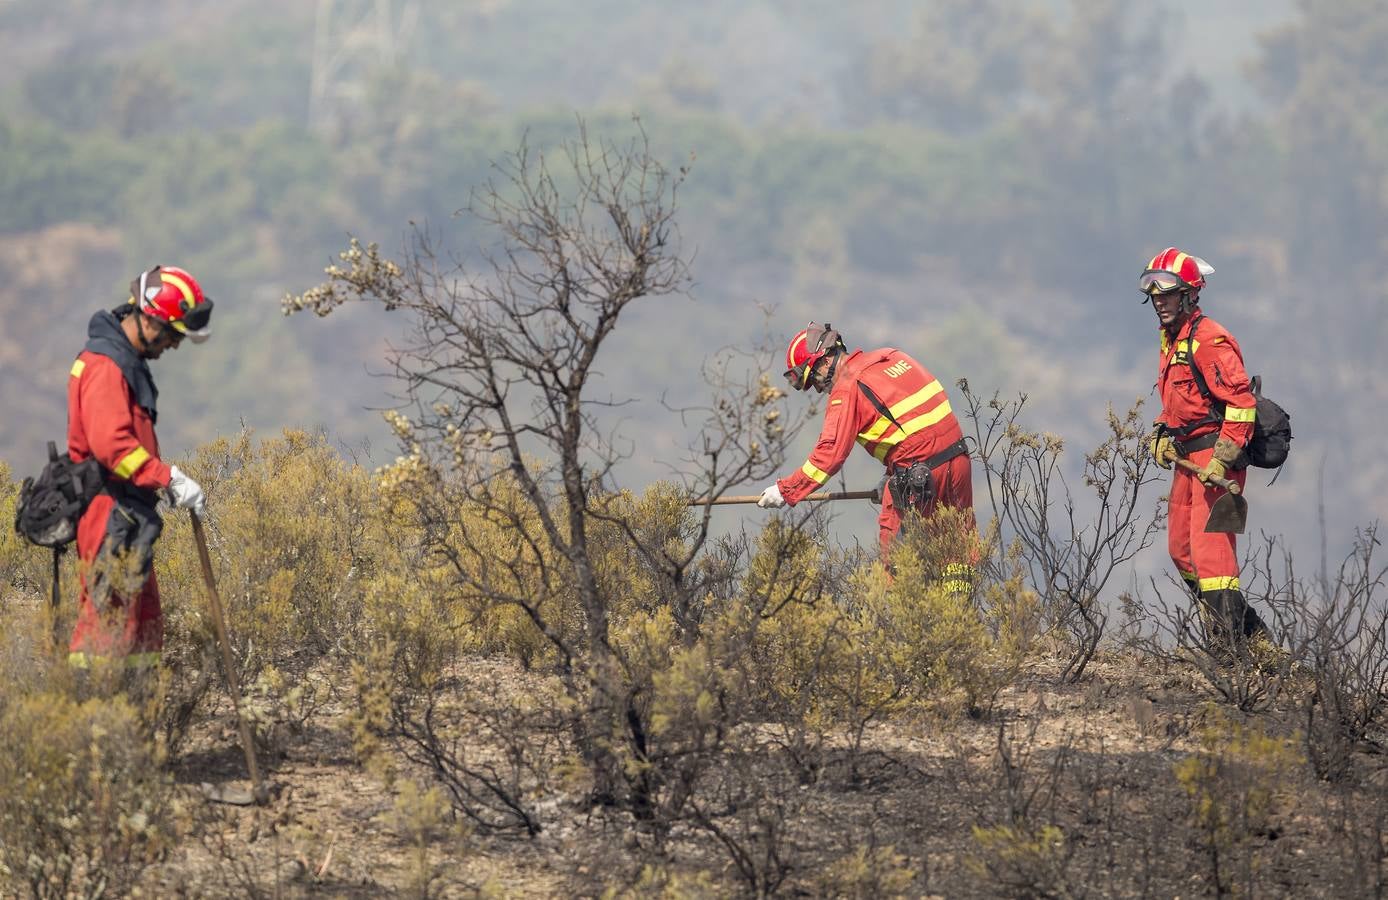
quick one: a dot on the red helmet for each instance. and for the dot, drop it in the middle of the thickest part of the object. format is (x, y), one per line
(807, 348)
(174, 297)
(1173, 270)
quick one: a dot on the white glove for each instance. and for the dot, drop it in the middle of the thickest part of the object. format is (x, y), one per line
(771, 498)
(186, 492)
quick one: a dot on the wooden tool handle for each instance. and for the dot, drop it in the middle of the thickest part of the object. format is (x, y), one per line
(753, 498)
(214, 599)
(1230, 486)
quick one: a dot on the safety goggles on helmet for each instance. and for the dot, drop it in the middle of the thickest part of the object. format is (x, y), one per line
(799, 376)
(1160, 281)
(195, 318)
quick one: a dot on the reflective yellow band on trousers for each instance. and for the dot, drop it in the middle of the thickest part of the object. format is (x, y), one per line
(1240, 413)
(958, 578)
(130, 462)
(818, 476)
(130, 661)
(1220, 583)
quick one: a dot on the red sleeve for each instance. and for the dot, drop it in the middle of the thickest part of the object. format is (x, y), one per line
(109, 412)
(830, 451)
(1222, 365)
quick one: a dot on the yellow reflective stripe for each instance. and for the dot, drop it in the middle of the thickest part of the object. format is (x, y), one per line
(130, 462)
(81, 660)
(818, 476)
(916, 399)
(836, 401)
(77, 367)
(1220, 583)
(1240, 413)
(183, 287)
(899, 409)
(1181, 348)
(1175, 266)
(910, 428)
(958, 578)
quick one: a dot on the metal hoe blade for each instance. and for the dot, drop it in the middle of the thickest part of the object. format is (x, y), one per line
(1228, 515)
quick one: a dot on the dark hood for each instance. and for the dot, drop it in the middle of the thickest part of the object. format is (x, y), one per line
(104, 336)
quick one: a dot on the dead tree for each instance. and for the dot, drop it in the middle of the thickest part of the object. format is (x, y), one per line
(1070, 555)
(514, 449)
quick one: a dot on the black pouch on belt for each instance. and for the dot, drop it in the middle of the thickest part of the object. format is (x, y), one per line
(127, 554)
(913, 487)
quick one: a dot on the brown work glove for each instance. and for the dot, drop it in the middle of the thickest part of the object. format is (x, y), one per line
(1226, 452)
(1162, 449)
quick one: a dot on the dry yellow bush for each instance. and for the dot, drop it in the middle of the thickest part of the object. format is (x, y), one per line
(87, 807)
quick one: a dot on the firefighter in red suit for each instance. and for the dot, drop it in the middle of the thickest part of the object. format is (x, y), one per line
(1208, 426)
(899, 412)
(111, 416)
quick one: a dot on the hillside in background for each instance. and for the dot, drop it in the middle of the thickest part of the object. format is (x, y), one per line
(977, 184)
(484, 645)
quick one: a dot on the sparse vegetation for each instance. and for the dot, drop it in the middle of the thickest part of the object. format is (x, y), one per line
(487, 669)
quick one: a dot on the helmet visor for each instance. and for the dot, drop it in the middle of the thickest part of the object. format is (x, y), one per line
(1160, 281)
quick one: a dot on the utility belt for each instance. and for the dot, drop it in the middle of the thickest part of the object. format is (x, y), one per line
(124, 491)
(913, 486)
(1195, 445)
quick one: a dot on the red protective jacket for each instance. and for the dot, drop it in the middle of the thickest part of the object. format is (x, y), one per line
(1185, 411)
(106, 422)
(103, 421)
(914, 396)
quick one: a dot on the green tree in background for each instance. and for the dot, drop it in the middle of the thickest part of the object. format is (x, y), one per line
(963, 67)
(1326, 75)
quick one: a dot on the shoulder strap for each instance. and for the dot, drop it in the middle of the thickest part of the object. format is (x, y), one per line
(1195, 369)
(878, 404)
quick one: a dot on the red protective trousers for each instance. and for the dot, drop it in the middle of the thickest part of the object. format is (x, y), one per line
(954, 488)
(128, 629)
(1208, 562)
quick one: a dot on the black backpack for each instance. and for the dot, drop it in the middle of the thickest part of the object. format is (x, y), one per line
(1272, 432)
(49, 506)
(1272, 425)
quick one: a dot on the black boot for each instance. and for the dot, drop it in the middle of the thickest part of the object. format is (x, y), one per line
(1229, 615)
